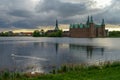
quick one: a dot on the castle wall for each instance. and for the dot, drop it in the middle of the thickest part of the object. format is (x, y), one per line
(79, 32)
(90, 32)
(101, 32)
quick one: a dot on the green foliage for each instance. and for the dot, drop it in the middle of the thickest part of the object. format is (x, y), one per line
(9, 33)
(54, 71)
(42, 33)
(36, 33)
(4, 34)
(57, 33)
(109, 71)
(10, 76)
(114, 34)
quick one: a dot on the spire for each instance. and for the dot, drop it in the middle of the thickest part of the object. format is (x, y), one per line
(103, 23)
(56, 27)
(87, 21)
(91, 21)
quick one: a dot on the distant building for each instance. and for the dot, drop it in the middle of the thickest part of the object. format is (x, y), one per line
(23, 34)
(55, 30)
(27, 33)
(88, 30)
(56, 27)
(66, 34)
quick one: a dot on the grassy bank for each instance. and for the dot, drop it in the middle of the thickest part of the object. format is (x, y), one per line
(106, 71)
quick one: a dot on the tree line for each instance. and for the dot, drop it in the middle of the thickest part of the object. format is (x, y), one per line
(114, 33)
(42, 33)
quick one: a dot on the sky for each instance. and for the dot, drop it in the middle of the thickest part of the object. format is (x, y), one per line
(32, 13)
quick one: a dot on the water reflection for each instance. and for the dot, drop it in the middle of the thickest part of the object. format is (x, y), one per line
(56, 47)
(36, 44)
(87, 49)
(44, 56)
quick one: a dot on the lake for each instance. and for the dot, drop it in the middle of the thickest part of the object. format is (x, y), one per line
(29, 54)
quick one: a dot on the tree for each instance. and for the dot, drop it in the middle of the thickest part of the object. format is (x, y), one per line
(42, 33)
(4, 34)
(57, 33)
(114, 34)
(36, 33)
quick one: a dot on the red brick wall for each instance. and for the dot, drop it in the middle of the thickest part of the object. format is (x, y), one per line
(101, 32)
(79, 32)
(90, 32)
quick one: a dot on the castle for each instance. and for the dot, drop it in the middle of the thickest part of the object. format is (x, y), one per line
(88, 30)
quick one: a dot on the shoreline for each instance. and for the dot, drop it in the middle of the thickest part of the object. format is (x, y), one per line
(78, 72)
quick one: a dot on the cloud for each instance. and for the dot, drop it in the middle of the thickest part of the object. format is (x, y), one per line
(111, 14)
(61, 8)
(66, 11)
(21, 13)
(32, 13)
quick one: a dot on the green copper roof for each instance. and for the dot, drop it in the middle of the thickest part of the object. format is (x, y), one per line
(87, 25)
(97, 26)
(79, 25)
(82, 26)
(76, 26)
(71, 26)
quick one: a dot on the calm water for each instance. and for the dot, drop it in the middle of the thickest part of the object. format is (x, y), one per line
(26, 54)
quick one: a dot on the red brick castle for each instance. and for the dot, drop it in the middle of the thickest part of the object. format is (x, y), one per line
(88, 30)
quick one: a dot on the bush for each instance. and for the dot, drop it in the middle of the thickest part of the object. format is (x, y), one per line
(114, 34)
(55, 34)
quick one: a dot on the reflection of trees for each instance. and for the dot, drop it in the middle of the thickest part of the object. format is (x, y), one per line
(56, 51)
(56, 47)
(36, 44)
(88, 49)
(102, 50)
(39, 45)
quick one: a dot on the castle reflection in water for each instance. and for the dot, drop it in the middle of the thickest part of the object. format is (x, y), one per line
(87, 49)
(45, 55)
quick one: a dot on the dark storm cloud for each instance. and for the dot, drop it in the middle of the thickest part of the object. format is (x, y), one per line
(3, 23)
(23, 24)
(61, 8)
(66, 12)
(26, 14)
(21, 13)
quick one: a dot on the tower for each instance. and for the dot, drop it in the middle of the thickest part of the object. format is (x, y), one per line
(88, 21)
(92, 28)
(91, 19)
(103, 23)
(56, 27)
(103, 28)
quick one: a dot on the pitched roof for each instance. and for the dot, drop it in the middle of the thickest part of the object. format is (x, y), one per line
(83, 25)
(79, 25)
